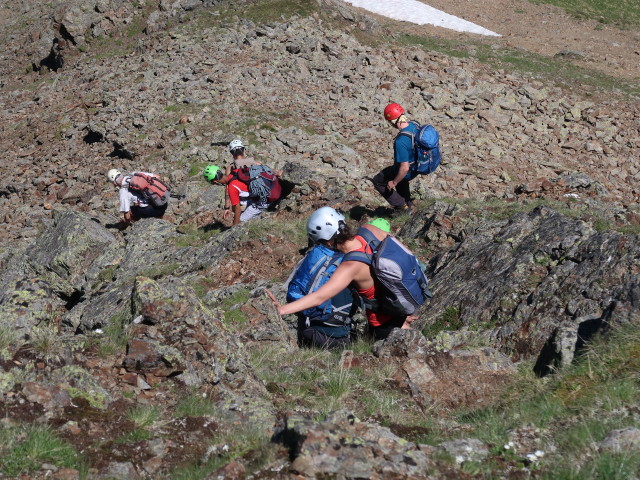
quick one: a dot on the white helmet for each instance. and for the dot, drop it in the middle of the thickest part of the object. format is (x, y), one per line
(113, 174)
(235, 144)
(324, 223)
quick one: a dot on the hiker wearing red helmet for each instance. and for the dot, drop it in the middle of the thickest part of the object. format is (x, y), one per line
(393, 182)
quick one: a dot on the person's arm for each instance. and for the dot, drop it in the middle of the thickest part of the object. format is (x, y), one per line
(340, 279)
(236, 214)
(125, 205)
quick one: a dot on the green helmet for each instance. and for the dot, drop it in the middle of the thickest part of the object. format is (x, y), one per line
(211, 172)
(382, 224)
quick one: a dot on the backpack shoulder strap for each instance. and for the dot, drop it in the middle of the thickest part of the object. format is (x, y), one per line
(358, 257)
(409, 134)
(369, 237)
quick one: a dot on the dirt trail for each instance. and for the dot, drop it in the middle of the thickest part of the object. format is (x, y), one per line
(546, 30)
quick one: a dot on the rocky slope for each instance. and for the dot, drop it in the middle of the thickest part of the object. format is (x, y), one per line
(96, 322)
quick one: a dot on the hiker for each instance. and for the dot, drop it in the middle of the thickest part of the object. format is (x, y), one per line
(393, 181)
(142, 195)
(256, 186)
(355, 271)
(237, 150)
(327, 325)
(382, 224)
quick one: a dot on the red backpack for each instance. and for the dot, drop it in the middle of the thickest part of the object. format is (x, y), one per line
(152, 189)
(261, 181)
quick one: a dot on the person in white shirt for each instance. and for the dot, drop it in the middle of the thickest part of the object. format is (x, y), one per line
(132, 204)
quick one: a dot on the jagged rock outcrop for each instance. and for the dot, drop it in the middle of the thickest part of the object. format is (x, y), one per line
(529, 276)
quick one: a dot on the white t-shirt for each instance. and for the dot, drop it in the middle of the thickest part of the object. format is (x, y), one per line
(129, 198)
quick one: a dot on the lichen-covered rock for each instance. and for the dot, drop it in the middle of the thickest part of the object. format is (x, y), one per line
(621, 440)
(62, 254)
(25, 303)
(523, 279)
(466, 450)
(179, 337)
(111, 307)
(343, 446)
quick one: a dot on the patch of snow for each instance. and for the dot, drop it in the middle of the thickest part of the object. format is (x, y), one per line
(420, 14)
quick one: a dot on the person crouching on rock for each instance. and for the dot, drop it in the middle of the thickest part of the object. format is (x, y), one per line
(257, 186)
(351, 273)
(236, 193)
(134, 204)
(327, 325)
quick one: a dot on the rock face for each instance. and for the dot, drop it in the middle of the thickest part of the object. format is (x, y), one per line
(529, 277)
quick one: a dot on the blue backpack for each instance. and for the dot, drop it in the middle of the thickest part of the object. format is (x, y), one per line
(403, 284)
(426, 149)
(313, 271)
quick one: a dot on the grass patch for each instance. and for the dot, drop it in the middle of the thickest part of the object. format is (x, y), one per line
(267, 11)
(195, 405)
(25, 450)
(143, 416)
(197, 168)
(315, 380)
(449, 320)
(630, 229)
(578, 408)
(45, 342)
(231, 307)
(625, 13)
(8, 336)
(115, 339)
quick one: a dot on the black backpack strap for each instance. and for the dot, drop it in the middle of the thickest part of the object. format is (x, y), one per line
(358, 257)
(369, 237)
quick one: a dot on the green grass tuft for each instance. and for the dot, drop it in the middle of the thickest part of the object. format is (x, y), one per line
(195, 405)
(39, 446)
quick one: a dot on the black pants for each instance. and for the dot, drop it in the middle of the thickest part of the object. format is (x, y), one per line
(400, 196)
(148, 211)
(384, 330)
(310, 337)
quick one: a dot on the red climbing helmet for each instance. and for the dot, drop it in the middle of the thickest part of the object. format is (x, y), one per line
(393, 111)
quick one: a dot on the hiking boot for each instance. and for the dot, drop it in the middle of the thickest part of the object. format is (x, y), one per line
(398, 211)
